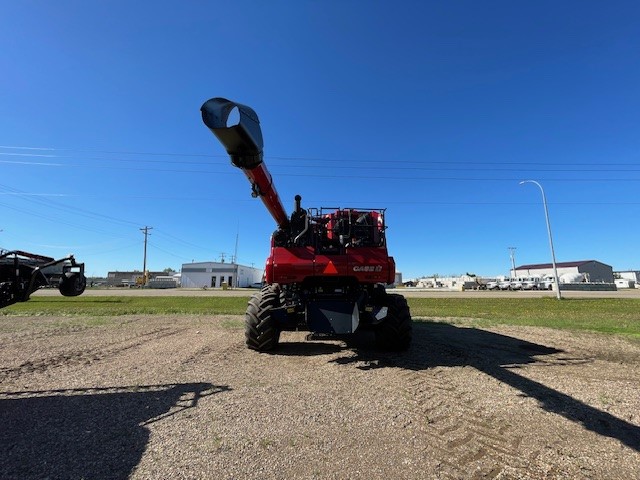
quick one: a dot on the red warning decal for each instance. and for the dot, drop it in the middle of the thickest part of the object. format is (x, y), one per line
(330, 269)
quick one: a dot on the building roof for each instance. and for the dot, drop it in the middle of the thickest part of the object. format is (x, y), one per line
(539, 266)
(118, 273)
(216, 264)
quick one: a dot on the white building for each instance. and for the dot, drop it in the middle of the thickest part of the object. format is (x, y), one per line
(215, 274)
(592, 270)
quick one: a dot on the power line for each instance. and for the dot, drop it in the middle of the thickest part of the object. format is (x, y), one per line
(75, 210)
(345, 162)
(388, 177)
(353, 203)
(60, 206)
(184, 258)
(184, 242)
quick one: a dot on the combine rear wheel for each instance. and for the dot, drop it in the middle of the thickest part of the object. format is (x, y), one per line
(261, 330)
(394, 333)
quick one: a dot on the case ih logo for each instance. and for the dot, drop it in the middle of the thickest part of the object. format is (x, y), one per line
(367, 268)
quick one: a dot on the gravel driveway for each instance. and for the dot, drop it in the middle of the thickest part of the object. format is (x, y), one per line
(148, 397)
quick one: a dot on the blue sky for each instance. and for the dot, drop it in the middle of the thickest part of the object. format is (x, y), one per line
(434, 110)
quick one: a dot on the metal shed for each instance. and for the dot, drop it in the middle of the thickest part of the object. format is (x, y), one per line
(215, 274)
(595, 272)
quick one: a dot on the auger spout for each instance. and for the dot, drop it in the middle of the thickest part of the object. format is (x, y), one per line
(243, 142)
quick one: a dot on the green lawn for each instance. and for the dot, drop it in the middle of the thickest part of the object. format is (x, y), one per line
(608, 315)
(620, 316)
(115, 305)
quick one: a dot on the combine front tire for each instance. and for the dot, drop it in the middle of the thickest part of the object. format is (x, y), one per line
(261, 331)
(394, 333)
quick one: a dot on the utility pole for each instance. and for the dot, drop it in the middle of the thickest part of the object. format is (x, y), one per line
(513, 261)
(145, 230)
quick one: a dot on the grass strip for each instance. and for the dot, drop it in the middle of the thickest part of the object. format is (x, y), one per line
(125, 305)
(606, 315)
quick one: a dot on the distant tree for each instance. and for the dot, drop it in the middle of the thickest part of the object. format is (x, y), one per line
(168, 270)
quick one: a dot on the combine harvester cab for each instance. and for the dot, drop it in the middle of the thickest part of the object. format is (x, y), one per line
(327, 269)
(22, 273)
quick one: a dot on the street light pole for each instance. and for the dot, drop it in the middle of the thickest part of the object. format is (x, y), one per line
(546, 216)
(513, 261)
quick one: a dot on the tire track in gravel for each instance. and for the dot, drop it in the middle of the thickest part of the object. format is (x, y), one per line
(53, 330)
(214, 352)
(470, 441)
(87, 355)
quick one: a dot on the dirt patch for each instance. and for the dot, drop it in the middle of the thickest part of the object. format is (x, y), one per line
(181, 397)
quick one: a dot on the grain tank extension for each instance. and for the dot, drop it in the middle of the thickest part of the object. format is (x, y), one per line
(328, 267)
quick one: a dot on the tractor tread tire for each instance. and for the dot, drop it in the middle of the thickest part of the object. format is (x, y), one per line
(394, 333)
(261, 331)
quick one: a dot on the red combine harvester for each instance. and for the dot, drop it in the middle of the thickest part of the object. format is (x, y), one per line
(327, 269)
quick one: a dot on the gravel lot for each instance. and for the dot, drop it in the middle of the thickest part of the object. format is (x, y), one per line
(148, 397)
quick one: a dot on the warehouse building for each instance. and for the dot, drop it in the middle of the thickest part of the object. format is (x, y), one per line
(592, 270)
(219, 274)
